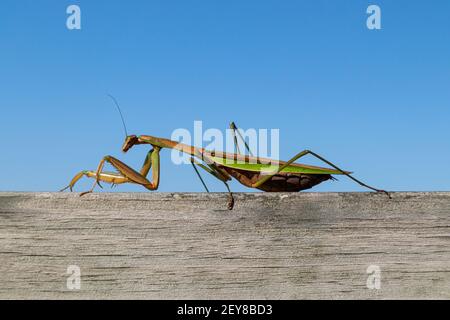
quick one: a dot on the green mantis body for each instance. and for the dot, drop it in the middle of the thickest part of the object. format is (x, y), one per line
(254, 172)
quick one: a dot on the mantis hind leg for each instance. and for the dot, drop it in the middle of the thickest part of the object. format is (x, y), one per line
(306, 152)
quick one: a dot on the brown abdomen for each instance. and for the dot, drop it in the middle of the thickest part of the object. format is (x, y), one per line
(282, 182)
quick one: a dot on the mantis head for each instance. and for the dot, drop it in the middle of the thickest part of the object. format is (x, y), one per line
(130, 141)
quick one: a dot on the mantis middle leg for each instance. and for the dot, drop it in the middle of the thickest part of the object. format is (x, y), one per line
(236, 133)
(217, 173)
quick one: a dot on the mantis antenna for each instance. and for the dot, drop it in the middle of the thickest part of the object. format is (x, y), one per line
(120, 113)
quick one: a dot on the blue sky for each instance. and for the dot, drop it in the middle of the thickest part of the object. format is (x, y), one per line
(373, 101)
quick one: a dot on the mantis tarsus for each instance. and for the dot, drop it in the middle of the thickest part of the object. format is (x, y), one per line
(253, 172)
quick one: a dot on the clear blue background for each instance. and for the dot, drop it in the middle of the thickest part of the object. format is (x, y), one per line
(374, 102)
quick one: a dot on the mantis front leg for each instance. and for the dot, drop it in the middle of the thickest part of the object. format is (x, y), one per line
(126, 173)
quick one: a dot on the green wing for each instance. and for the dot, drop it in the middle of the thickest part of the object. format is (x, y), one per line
(259, 167)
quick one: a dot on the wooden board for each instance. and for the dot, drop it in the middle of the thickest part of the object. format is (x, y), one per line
(188, 246)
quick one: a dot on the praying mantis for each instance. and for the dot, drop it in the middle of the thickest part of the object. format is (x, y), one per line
(254, 172)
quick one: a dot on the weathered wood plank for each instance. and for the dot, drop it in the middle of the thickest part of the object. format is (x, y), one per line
(278, 246)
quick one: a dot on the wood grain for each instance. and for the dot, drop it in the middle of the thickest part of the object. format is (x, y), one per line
(188, 246)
